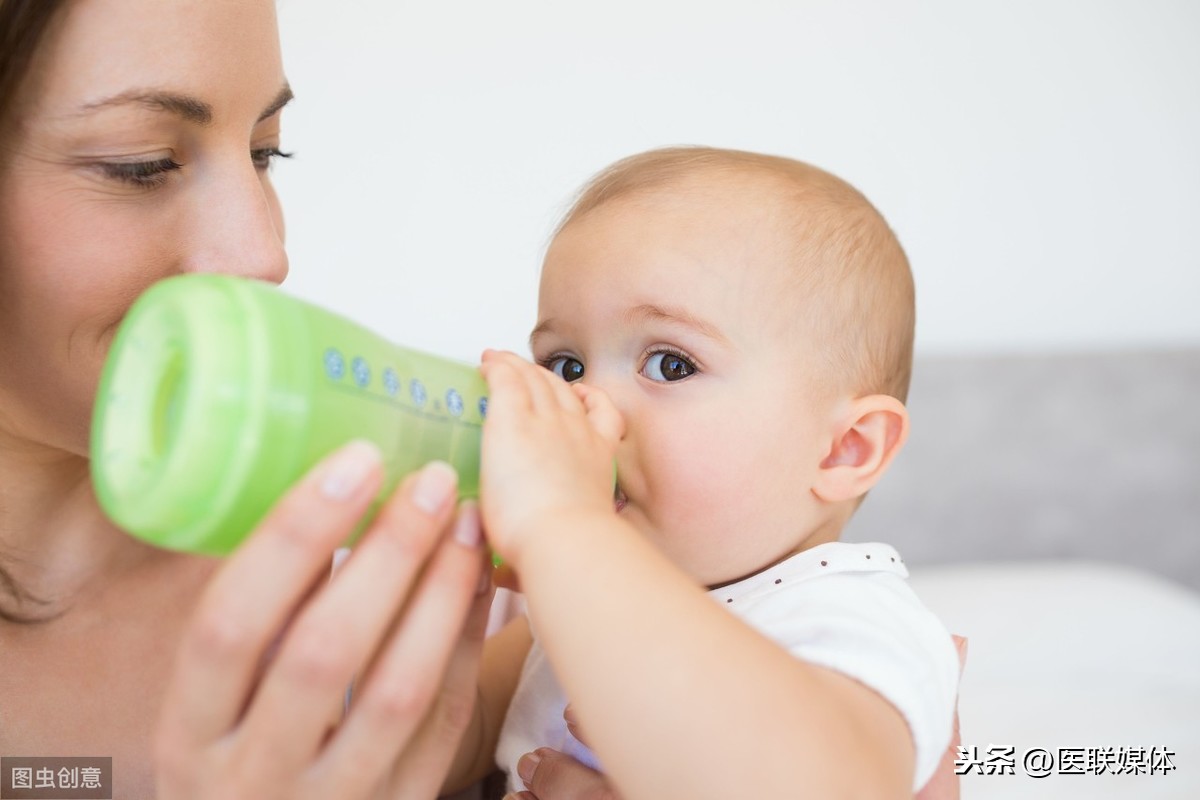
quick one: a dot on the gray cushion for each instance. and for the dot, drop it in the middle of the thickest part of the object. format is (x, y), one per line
(1068, 456)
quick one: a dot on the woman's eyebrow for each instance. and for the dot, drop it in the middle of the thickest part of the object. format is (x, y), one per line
(282, 99)
(183, 105)
(189, 108)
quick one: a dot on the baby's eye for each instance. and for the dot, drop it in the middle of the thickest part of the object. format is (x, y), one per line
(567, 368)
(667, 367)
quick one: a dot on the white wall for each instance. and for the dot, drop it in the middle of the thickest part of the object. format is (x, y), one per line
(1040, 159)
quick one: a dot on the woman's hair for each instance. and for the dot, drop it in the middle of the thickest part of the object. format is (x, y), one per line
(23, 23)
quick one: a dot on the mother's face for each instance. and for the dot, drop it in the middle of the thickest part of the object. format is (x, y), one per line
(138, 149)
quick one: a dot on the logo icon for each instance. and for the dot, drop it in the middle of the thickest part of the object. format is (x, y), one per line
(335, 365)
(417, 390)
(362, 372)
(391, 381)
(454, 402)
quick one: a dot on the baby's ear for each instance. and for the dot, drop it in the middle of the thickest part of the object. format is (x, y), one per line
(867, 435)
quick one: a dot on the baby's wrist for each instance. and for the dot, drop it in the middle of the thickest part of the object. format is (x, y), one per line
(550, 532)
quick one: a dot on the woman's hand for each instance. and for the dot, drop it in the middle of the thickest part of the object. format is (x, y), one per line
(944, 783)
(548, 449)
(254, 708)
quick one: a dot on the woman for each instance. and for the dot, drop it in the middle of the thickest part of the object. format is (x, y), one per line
(135, 137)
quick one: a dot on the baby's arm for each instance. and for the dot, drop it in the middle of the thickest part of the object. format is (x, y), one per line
(679, 697)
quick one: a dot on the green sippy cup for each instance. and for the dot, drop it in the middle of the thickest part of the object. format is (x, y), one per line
(220, 392)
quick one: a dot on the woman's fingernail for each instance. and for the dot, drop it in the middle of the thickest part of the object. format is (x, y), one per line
(467, 530)
(527, 766)
(348, 470)
(434, 486)
(339, 557)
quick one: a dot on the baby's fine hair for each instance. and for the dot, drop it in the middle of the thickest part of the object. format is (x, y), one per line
(844, 253)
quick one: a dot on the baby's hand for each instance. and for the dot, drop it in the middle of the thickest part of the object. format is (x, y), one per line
(548, 450)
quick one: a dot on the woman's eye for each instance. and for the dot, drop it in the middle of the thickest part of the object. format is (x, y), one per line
(667, 367)
(143, 174)
(567, 368)
(263, 156)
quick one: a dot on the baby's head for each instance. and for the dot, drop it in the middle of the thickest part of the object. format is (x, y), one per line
(752, 319)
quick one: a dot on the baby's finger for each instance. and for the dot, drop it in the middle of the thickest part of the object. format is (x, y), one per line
(335, 636)
(507, 390)
(533, 377)
(255, 592)
(601, 413)
(569, 400)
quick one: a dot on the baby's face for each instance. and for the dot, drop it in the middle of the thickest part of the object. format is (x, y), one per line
(678, 306)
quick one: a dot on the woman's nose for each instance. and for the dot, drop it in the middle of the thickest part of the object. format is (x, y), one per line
(236, 227)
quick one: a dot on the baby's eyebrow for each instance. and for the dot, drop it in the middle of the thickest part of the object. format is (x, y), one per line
(542, 327)
(649, 312)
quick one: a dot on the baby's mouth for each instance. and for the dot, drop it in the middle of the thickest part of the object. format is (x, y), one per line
(619, 499)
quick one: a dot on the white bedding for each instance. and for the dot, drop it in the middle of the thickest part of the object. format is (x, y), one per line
(1076, 655)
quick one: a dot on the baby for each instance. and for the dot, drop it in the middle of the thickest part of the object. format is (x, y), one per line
(735, 331)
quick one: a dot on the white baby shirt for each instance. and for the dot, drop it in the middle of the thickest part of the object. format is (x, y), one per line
(843, 606)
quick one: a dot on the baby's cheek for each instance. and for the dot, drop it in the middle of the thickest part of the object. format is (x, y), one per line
(701, 509)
